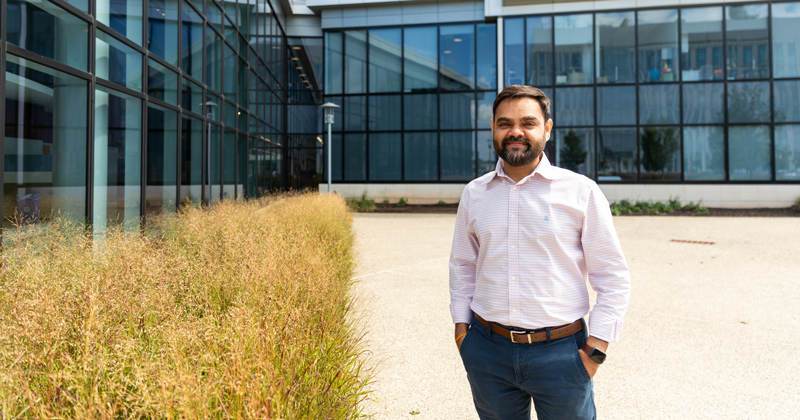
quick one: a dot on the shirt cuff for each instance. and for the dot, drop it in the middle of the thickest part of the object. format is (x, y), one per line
(605, 329)
(461, 312)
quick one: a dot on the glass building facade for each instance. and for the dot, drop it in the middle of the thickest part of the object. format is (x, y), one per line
(701, 94)
(119, 109)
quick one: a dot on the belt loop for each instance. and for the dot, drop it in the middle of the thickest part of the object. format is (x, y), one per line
(490, 328)
(547, 330)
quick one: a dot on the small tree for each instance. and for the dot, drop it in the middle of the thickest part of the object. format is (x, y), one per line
(658, 147)
(572, 152)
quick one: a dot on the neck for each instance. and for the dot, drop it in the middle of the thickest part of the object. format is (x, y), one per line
(517, 173)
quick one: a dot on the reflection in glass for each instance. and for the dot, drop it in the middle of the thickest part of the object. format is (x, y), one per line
(229, 81)
(162, 159)
(487, 158)
(573, 45)
(787, 152)
(487, 56)
(241, 166)
(56, 33)
(123, 16)
(214, 15)
(616, 105)
(659, 104)
(658, 45)
(458, 155)
(229, 114)
(162, 83)
(703, 153)
(215, 159)
(747, 40)
(420, 156)
(385, 150)
(355, 157)
(117, 159)
(748, 102)
(355, 117)
(575, 150)
(575, 106)
(419, 112)
(514, 51)
(485, 104)
(786, 39)
(660, 157)
(229, 165)
(192, 97)
(701, 44)
(213, 60)
(617, 154)
(456, 111)
(336, 158)
(162, 29)
(117, 62)
(192, 43)
(45, 143)
(539, 39)
(702, 103)
(749, 153)
(384, 112)
(333, 63)
(457, 57)
(616, 47)
(420, 63)
(191, 161)
(787, 101)
(355, 62)
(241, 84)
(385, 63)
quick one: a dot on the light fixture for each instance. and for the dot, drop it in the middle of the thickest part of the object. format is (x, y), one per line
(295, 58)
(299, 67)
(447, 51)
(456, 39)
(297, 48)
(303, 75)
(319, 139)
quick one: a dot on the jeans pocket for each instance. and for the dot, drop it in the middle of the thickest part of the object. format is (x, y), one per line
(579, 362)
(464, 342)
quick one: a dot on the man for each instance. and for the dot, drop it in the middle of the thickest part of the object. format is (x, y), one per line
(528, 235)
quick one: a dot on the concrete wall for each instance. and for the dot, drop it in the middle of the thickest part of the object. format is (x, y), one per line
(716, 195)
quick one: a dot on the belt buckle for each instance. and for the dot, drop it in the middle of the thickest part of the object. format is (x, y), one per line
(512, 332)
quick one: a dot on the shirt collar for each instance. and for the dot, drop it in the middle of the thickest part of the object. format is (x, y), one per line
(544, 168)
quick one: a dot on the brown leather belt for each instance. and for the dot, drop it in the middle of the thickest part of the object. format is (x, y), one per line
(523, 338)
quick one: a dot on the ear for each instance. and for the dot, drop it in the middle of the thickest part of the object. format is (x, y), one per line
(491, 124)
(548, 126)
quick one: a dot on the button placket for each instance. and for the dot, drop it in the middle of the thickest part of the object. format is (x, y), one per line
(513, 257)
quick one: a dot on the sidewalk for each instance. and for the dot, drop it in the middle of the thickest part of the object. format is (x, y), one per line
(711, 331)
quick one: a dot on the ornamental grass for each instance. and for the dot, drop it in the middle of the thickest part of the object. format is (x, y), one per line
(238, 311)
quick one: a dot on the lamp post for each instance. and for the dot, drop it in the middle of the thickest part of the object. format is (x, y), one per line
(209, 115)
(328, 108)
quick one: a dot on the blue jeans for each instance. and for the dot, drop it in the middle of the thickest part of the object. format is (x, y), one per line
(505, 376)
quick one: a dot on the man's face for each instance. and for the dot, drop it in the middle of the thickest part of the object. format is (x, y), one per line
(519, 130)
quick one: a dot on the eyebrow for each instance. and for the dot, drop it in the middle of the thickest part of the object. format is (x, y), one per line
(523, 119)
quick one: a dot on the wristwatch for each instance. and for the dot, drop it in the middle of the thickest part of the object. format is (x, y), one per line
(598, 356)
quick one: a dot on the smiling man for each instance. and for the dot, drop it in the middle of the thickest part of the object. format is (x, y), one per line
(528, 236)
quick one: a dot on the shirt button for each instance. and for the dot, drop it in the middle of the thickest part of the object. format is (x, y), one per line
(513, 247)
(513, 278)
(513, 216)
(513, 188)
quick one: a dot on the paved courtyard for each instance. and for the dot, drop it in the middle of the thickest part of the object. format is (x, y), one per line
(712, 331)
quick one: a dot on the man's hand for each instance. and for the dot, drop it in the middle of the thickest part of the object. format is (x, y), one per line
(591, 366)
(461, 329)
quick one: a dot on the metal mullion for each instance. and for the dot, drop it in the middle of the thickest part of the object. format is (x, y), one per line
(285, 105)
(90, 129)
(725, 132)
(595, 61)
(120, 88)
(366, 103)
(119, 37)
(40, 59)
(159, 102)
(402, 103)
(159, 60)
(3, 46)
(771, 95)
(438, 95)
(145, 120)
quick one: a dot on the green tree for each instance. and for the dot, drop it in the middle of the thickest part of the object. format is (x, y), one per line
(659, 144)
(572, 152)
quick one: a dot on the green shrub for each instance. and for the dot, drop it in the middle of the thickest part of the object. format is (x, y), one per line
(695, 208)
(654, 208)
(441, 203)
(797, 205)
(362, 205)
(402, 201)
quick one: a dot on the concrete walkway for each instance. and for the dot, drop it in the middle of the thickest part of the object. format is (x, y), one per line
(712, 331)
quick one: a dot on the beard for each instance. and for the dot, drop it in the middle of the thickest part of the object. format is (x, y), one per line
(522, 157)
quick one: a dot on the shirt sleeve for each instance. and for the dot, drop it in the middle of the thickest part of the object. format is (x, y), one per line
(607, 269)
(463, 260)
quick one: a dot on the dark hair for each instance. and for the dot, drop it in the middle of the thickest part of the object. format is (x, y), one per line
(523, 91)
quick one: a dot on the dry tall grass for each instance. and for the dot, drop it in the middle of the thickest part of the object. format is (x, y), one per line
(239, 311)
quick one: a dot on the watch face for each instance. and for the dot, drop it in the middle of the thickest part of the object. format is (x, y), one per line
(597, 356)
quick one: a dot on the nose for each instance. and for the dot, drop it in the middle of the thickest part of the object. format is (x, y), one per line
(516, 130)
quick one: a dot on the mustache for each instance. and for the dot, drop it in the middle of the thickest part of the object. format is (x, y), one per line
(519, 139)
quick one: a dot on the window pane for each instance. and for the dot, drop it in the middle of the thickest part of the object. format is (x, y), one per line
(616, 47)
(355, 157)
(384, 157)
(215, 159)
(747, 38)
(787, 152)
(659, 104)
(421, 66)
(748, 102)
(786, 39)
(56, 34)
(487, 158)
(658, 45)
(123, 16)
(540, 50)
(117, 159)
(485, 103)
(229, 165)
(616, 105)
(192, 97)
(704, 153)
(333, 63)
(420, 112)
(162, 29)
(749, 153)
(457, 57)
(617, 157)
(355, 61)
(701, 44)
(787, 101)
(514, 56)
(214, 15)
(45, 143)
(241, 165)
(458, 155)
(192, 43)
(162, 83)
(162, 160)
(575, 106)
(355, 117)
(420, 156)
(229, 80)
(660, 149)
(117, 62)
(191, 160)
(213, 60)
(574, 49)
(385, 65)
(230, 115)
(702, 103)
(487, 56)
(383, 112)
(336, 158)
(456, 111)
(575, 150)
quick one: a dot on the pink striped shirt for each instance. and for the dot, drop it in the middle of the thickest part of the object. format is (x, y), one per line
(522, 253)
